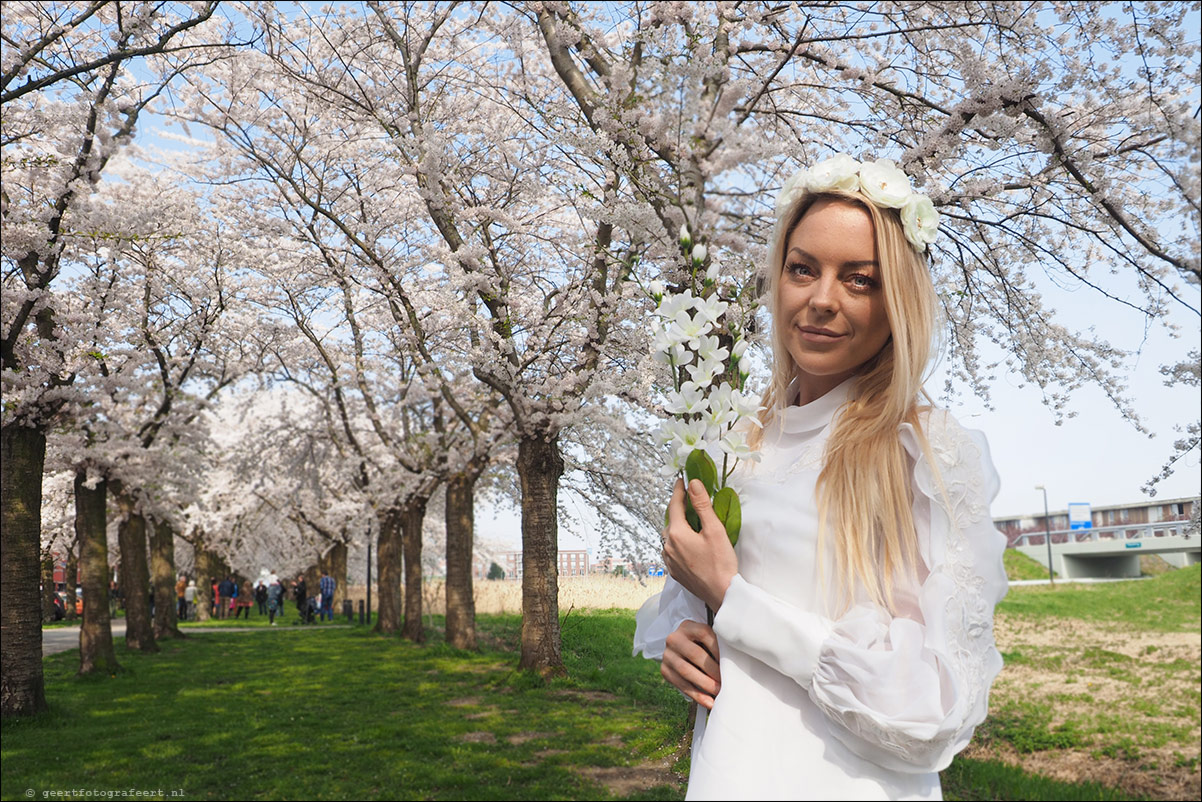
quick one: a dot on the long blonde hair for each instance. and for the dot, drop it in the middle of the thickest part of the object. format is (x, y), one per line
(864, 491)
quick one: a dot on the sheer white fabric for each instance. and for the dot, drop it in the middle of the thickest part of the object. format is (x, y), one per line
(868, 706)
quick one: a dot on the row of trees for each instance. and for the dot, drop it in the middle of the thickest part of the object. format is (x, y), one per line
(295, 271)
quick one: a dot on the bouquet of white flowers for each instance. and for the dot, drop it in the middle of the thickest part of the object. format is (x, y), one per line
(696, 333)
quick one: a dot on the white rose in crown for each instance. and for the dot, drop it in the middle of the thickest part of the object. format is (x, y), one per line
(838, 172)
(884, 184)
(789, 192)
(920, 221)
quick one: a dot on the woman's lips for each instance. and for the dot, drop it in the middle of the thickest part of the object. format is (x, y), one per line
(817, 335)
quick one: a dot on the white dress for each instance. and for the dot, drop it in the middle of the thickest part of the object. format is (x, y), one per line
(868, 706)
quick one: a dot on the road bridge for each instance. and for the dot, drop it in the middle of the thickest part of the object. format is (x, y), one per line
(1113, 551)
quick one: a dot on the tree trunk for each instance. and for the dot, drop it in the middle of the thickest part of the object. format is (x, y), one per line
(46, 581)
(334, 563)
(71, 579)
(539, 467)
(412, 516)
(162, 567)
(22, 455)
(206, 570)
(460, 520)
(135, 574)
(388, 572)
(96, 654)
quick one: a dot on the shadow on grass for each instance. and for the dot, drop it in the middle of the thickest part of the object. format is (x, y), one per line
(345, 713)
(340, 712)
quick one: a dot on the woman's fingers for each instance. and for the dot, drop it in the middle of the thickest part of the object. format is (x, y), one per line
(703, 677)
(676, 505)
(703, 505)
(690, 662)
(690, 690)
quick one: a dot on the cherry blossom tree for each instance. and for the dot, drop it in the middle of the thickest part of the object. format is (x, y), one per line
(1060, 143)
(70, 102)
(331, 184)
(456, 209)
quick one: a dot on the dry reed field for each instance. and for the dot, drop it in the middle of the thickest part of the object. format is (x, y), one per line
(594, 591)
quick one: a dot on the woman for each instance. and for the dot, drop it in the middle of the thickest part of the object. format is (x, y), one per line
(246, 597)
(851, 650)
(275, 599)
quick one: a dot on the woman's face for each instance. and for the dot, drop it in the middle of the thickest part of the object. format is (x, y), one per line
(831, 305)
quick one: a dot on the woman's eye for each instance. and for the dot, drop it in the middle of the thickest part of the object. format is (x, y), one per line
(798, 269)
(862, 282)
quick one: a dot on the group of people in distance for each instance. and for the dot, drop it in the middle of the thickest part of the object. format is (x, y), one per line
(234, 596)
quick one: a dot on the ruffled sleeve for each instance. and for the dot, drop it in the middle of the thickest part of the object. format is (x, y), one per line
(906, 691)
(661, 615)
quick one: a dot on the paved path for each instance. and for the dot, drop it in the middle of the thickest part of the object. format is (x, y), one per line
(60, 639)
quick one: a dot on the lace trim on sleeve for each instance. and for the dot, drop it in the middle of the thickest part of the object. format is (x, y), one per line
(956, 600)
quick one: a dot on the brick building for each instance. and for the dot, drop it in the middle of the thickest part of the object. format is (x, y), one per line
(1144, 512)
(572, 562)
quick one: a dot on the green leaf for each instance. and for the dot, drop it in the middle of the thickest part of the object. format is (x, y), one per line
(726, 507)
(700, 466)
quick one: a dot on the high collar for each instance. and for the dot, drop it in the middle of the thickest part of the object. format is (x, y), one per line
(816, 414)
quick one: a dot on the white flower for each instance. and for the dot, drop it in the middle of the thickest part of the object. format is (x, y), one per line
(685, 238)
(745, 406)
(674, 466)
(884, 184)
(705, 370)
(789, 192)
(735, 443)
(670, 353)
(656, 288)
(712, 272)
(707, 348)
(688, 400)
(672, 304)
(688, 329)
(710, 308)
(686, 436)
(740, 405)
(920, 221)
(699, 253)
(717, 417)
(838, 172)
(739, 349)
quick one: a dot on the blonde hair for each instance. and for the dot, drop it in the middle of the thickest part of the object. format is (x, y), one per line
(864, 491)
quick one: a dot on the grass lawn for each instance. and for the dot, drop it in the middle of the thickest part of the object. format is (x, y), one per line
(343, 713)
(1171, 602)
(1019, 566)
(287, 713)
(1101, 681)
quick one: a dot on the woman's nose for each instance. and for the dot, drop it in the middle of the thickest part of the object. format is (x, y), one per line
(824, 296)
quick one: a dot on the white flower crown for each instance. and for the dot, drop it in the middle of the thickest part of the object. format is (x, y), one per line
(880, 181)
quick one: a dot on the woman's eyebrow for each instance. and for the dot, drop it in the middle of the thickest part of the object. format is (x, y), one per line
(845, 265)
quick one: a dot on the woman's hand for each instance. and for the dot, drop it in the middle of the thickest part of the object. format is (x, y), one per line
(690, 663)
(704, 562)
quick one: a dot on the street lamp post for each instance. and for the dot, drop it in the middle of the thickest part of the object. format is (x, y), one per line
(1047, 528)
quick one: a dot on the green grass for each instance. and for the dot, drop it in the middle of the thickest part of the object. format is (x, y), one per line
(968, 779)
(343, 713)
(1171, 602)
(1019, 566)
(339, 712)
(290, 617)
